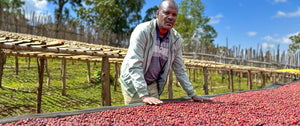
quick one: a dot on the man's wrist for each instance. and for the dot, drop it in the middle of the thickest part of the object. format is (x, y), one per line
(193, 96)
(143, 97)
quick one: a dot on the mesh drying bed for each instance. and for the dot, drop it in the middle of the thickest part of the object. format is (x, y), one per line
(276, 104)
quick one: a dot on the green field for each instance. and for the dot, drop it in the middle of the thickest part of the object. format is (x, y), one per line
(80, 93)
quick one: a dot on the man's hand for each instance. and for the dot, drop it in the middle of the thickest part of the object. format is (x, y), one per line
(201, 99)
(151, 100)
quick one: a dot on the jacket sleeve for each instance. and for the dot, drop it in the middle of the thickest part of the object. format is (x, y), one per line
(180, 71)
(135, 57)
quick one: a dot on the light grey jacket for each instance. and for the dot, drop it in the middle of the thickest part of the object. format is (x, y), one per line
(138, 58)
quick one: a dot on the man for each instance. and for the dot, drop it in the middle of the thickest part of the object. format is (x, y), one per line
(154, 48)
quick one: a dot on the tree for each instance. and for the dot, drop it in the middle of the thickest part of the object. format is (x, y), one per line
(193, 26)
(117, 16)
(12, 8)
(99, 12)
(295, 45)
(15, 5)
(61, 12)
(150, 13)
(3, 5)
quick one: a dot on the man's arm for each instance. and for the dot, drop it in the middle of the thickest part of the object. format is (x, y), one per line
(181, 74)
(180, 71)
(135, 61)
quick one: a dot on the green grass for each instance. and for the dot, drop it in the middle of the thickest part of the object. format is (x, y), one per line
(80, 93)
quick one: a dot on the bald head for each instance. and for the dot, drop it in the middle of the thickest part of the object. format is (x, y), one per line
(165, 3)
(166, 15)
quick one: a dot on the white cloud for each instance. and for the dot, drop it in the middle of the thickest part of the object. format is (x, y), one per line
(288, 14)
(252, 33)
(216, 19)
(277, 1)
(267, 46)
(39, 7)
(36, 4)
(282, 40)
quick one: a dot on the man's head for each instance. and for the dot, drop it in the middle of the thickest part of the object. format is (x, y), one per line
(167, 15)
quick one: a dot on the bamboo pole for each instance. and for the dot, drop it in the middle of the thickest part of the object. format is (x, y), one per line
(170, 85)
(88, 64)
(41, 66)
(64, 70)
(205, 85)
(106, 95)
(2, 62)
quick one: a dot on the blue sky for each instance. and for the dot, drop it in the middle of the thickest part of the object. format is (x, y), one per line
(244, 22)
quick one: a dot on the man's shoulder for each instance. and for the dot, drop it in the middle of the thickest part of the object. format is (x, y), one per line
(146, 25)
(176, 34)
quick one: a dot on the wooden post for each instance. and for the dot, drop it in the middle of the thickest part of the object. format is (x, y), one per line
(240, 78)
(48, 72)
(63, 68)
(284, 77)
(231, 80)
(228, 79)
(41, 66)
(249, 80)
(223, 77)
(210, 81)
(271, 77)
(116, 76)
(2, 62)
(263, 79)
(28, 63)
(190, 74)
(277, 77)
(194, 72)
(106, 96)
(17, 65)
(255, 77)
(205, 85)
(170, 83)
(94, 66)
(88, 64)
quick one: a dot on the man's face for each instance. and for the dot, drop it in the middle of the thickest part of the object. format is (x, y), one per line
(167, 16)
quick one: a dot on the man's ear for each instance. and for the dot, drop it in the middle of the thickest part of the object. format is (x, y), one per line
(157, 13)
